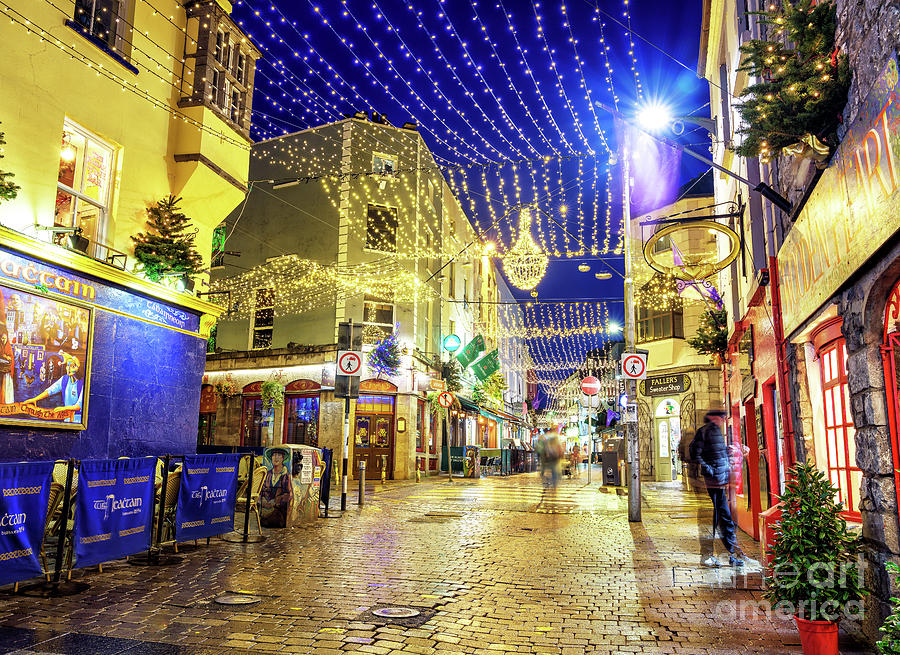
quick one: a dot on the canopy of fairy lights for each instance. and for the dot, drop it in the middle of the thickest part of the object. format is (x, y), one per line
(499, 107)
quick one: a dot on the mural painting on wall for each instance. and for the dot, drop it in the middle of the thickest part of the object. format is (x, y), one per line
(45, 349)
(275, 496)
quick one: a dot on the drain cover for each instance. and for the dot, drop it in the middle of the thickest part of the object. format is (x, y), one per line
(237, 599)
(395, 612)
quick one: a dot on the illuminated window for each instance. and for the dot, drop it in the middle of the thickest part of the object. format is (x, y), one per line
(378, 319)
(84, 182)
(301, 416)
(375, 405)
(384, 164)
(218, 247)
(381, 228)
(263, 319)
(840, 442)
(655, 324)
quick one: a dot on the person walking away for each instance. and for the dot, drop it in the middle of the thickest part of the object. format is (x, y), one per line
(542, 456)
(553, 453)
(712, 455)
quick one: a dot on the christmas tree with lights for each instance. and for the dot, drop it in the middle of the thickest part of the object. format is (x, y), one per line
(8, 190)
(167, 248)
(802, 87)
(385, 357)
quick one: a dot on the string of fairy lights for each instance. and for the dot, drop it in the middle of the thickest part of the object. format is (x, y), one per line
(491, 138)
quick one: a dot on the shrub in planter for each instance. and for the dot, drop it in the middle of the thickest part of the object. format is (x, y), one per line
(815, 572)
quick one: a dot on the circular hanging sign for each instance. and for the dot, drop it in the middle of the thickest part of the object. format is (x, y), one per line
(452, 343)
(691, 265)
(590, 385)
(445, 399)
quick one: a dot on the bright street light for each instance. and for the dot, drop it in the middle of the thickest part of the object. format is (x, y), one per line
(654, 116)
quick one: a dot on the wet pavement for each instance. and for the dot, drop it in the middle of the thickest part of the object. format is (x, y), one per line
(490, 565)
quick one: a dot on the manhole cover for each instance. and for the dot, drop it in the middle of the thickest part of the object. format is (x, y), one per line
(237, 599)
(396, 612)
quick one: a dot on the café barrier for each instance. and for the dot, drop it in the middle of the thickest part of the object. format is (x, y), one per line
(207, 496)
(24, 496)
(113, 509)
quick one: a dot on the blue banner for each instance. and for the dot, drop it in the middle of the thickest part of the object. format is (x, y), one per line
(114, 509)
(24, 494)
(206, 497)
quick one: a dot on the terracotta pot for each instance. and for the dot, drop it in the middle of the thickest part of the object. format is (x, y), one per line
(818, 637)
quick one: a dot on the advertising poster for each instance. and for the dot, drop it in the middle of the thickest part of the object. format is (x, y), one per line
(114, 509)
(24, 493)
(206, 497)
(44, 360)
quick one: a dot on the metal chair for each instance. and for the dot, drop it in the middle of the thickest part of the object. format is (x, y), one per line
(259, 478)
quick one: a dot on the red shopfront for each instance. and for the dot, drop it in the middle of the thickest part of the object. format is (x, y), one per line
(754, 429)
(301, 412)
(254, 420)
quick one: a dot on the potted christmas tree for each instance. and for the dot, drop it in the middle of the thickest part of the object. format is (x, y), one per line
(814, 560)
(167, 249)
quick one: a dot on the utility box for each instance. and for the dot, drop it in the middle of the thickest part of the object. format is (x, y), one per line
(611, 459)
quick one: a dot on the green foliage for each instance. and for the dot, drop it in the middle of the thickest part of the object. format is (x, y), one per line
(712, 334)
(272, 394)
(8, 190)
(479, 396)
(890, 645)
(494, 387)
(802, 88)
(814, 556)
(451, 374)
(167, 248)
(385, 357)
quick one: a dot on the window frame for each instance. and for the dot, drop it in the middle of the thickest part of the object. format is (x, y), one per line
(369, 244)
(105, 207)
(367, 301)
(384, 157)
(118, 45)
(253, 318)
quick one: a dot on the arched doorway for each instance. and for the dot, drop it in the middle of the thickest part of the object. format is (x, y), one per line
(890, 358)
(255, 423)
(666, 435)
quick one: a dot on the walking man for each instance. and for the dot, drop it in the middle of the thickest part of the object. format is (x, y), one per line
(712, 455)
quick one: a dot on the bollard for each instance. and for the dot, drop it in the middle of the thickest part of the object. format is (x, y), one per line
(362, 483)
(383, 468)
(418, 474)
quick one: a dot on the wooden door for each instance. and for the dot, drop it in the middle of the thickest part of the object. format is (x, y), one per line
(374, 444)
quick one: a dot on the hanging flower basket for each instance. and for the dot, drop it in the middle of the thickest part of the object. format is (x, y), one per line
(272, 395)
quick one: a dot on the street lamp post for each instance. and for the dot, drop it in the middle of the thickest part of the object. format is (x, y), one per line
(631, 435)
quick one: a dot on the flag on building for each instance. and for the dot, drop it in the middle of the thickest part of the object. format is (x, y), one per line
(487, 365)
(471, 351)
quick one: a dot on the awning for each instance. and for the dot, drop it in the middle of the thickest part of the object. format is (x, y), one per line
(468, 405)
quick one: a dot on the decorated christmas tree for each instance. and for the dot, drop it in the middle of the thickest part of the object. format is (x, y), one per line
(802, 87)
(167, 248)
(8, 190)
(385, 357)
(712, 334)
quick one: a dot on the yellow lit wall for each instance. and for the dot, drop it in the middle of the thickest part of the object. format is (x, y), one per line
(45, 82)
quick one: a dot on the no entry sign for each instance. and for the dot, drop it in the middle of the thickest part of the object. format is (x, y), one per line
(590, 386)
(445, 399)
(349, 362)
(634, 366)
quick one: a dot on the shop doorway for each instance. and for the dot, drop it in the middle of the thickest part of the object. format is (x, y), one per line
(666, 437)
(374, 435)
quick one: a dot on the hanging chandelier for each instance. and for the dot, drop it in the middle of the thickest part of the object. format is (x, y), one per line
(525, 263)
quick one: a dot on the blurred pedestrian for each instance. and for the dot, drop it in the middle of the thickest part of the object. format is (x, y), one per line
(712, 455)
(574, 459)
(553, 452)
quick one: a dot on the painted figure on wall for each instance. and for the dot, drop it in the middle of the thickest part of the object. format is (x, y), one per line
(70, 388)
(7, 368)
(275, 497)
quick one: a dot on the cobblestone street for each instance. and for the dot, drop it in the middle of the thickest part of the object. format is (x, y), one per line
(497, 564)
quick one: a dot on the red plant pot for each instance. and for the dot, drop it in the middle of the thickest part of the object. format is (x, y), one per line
(818, 637)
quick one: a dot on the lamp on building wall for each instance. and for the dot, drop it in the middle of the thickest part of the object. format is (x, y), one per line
(75, 241)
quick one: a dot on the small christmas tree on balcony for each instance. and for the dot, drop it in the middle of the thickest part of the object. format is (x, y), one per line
(167, 248)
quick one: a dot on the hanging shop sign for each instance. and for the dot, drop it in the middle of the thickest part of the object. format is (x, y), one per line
(468, 354)
(114, 509)
(688, 266)
(45, 359)
(854, 209)
(206, 496)
(24, 493)
(665, 385)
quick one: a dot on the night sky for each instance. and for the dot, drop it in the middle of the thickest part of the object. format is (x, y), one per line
(508, 91)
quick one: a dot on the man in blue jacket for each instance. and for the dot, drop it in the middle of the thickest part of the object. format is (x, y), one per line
(712, 455)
